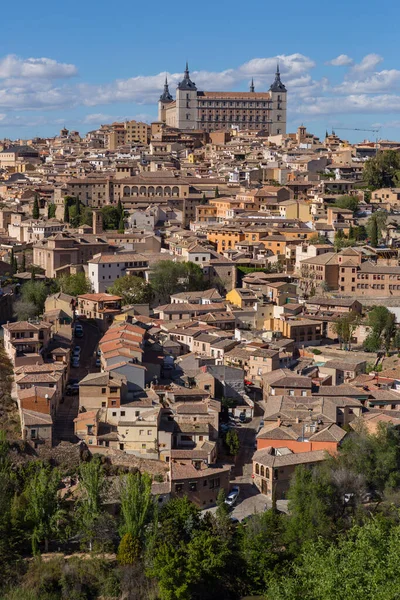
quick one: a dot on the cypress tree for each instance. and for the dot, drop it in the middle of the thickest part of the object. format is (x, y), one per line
(78, 207)
(374, 233)
(121, 225)
(66, 211)
(216, 192)
(35, 211)
(23, 263)
(351, 233)
(12, 261)
(119, 208)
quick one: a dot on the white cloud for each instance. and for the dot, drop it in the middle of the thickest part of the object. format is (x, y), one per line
(380, 81)
(12, 66)
(341, 61)
(102, 118)
(33, 84)
(368, 64)
(363, 103)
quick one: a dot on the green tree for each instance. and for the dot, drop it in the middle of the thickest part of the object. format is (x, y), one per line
(133, 290)
(374, 456)
(66, 211)
(383, 170)
(362, 564)
(74, 284)
(128, 550)
(13, 262)
(222, 507)
(111, 217)
(138, 509)
(77, 206)
(232, 442)
(43, 506)
(92, 486)
(35, 210)
(23, 262)
(216, 194)
(374, 233)
(351, 233)
(262, 549)
(382, 324)
(339, 239)
(376, 225)
(168, 277)
(348, 202)
(121, 224)
(119, 208)
(35, 292)
(310, 496)
(24, 310)
(51, 211)
(344, 327)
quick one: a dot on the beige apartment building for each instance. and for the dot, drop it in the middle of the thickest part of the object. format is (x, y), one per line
(137, 131)
(210, 111)
(24, 341)
(61, 250)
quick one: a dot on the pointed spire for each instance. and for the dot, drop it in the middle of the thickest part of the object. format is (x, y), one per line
(252, 86)
(277, 86)
(166, 96)
(186, 83)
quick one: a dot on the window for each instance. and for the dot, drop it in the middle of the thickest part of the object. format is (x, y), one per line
(114, 414)
(143, 446)
(103, 404)
(193, 486)
(122, 413)
(141, 431)
(257, 469)
(149, 432)
(178, 487)
(103, 390)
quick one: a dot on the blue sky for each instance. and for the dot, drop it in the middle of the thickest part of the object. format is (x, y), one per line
(91, 62)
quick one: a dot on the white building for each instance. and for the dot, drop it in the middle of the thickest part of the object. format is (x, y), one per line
(105, 269)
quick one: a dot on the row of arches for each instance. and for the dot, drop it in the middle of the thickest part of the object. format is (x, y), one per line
(151, 190)
(260, 471)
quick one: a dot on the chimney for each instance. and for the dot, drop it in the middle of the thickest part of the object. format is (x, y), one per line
(279, 422)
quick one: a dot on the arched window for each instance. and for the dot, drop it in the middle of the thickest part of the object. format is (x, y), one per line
(167, 191)
(267, 473)
(175, 190)
(262, 471)
(143, 190)
(135, 190)
(257, 469)
(150, 190)
(159, 190)
(127, 191)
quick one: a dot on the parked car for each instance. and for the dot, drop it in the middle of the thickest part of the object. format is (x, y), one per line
(76, 353)
(72, 390)
(98, 362)
(261, 425)
(75, 362)
(242, 417)
(78, 330)
(98, 352)
(232, 497)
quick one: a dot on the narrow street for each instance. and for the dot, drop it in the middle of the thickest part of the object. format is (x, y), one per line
(68, 409)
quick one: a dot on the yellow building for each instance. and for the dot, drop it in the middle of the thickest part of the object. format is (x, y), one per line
(293, 209)
(225, 239)
(137, 131)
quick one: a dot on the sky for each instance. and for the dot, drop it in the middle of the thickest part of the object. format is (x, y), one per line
(82, 64)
